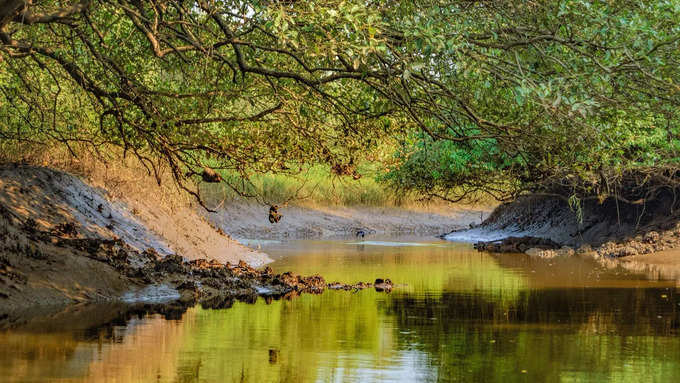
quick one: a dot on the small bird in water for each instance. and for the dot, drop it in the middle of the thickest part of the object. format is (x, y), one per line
(274, 215)
(273, 356)
(361, 233)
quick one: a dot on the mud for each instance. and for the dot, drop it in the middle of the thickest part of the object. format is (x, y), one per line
(548, 227)
(246, 221)
(516, 244)
(32, 261)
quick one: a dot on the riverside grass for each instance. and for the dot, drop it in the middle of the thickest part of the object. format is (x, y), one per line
(315, 185)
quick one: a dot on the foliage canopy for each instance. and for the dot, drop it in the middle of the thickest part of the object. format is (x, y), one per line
(573, 98)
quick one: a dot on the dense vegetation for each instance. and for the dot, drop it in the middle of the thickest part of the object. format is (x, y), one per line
(573, 98)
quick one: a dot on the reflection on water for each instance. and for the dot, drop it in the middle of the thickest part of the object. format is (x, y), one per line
(462, 316)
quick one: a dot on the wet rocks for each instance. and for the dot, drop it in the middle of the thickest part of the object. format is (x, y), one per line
(313, 283)
(172, 263)
(273, 356)
(288, 280)
(564, 251)
(209, 282)
(189, 292)
(208, 268)
(347, 287)
(517, 245)
(151, 254)
(380, 284)
(383, 285)
(651, 237)
(242, 270)
(652, 240)
(584, 249)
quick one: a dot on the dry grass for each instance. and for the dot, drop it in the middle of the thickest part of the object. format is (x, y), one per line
(119, 176)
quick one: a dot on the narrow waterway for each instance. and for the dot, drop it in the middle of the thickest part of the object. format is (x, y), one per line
(457, 315)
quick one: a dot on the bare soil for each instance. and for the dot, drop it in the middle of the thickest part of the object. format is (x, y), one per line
(245, 220)
(39, 267)
(48, 216)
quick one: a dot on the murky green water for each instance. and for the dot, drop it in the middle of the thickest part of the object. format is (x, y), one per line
(463, 316)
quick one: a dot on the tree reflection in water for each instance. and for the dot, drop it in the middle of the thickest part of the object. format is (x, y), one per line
(463, 316)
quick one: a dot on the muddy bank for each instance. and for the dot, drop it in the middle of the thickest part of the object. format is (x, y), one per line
(64, 241)
(109, 207)
(548, 227)
(662, 265)
(249, 221)
(51, 267)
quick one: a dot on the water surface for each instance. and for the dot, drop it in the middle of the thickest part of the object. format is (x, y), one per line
(459, 315)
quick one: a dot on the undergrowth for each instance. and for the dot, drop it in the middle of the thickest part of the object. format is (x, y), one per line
(316, 185)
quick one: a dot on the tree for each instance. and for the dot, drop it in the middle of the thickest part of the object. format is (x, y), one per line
(576, 98)
(570, 98)
(252, 86)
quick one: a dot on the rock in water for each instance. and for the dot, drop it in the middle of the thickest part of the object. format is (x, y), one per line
(517, 244)
(273, 356)
(383, 285)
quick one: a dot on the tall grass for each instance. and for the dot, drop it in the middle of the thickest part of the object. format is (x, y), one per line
(317, 185)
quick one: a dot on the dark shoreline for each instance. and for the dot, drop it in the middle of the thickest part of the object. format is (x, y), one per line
(608, 229)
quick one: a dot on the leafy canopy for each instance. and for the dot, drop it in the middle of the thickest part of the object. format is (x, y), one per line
(575, 98)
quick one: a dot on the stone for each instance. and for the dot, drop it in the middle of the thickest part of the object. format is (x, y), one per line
(651, 237)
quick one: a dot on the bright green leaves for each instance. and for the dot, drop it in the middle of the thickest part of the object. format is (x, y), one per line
(525, 94)
(570, 88)
(327, 29)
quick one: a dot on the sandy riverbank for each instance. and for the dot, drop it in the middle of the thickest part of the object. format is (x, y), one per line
(65, 239)
(137, 216)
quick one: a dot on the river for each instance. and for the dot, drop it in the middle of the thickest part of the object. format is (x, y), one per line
(456, 315)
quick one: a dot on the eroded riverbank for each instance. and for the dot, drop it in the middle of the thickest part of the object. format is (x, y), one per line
(637, 237)
(64, 241)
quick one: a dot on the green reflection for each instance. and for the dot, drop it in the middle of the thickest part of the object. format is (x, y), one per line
(462, 316)
(429, 268)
